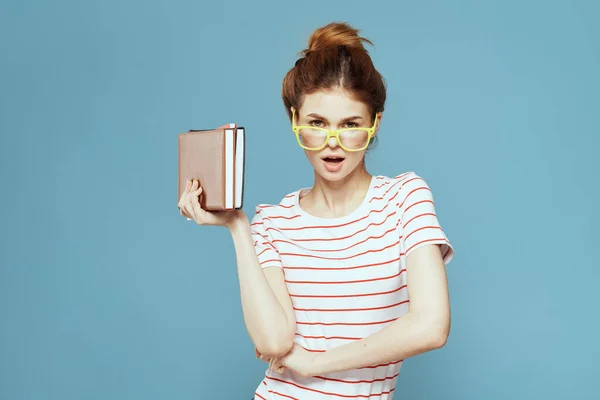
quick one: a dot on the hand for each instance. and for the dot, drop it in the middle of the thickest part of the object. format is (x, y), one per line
(297, 360)
(261, 357)
(189, 207)
(269, 360)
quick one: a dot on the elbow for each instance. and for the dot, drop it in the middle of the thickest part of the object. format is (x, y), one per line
(276, 344)
(438, 339)
(275, 347)
(436, 333)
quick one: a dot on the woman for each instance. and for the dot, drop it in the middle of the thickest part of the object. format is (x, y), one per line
(325, 274)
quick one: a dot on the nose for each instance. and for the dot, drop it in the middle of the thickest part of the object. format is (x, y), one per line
(332, 142)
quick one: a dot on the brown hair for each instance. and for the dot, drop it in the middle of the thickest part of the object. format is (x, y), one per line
(335, 58)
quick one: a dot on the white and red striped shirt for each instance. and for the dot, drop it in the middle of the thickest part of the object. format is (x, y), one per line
(346, 278)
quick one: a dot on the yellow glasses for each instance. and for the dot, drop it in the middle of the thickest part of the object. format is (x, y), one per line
(349, 139)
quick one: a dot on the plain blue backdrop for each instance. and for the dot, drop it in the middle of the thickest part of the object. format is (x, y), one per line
(106, 292)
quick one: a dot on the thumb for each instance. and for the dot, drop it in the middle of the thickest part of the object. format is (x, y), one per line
(228, 126)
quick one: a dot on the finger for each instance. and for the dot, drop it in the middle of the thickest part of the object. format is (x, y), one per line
(184, 194)
(195, 191)
(188, 186)
(278, 366)
(195, 195)
(185, 214)
(189, 200)
(199, 213)
(188, 189)
(194, 186)
(273, 364)
(189, 211)
(257, 353)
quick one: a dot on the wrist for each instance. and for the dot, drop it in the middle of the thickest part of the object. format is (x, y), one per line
(238, 222)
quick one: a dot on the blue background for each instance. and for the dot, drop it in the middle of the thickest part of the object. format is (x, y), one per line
(106, 292)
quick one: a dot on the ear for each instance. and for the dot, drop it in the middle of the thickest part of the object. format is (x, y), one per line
(379, 117)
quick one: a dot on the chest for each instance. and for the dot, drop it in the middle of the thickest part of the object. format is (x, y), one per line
(358, 255)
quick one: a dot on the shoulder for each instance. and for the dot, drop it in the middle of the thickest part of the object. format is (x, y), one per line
(389, 188)
(286, 208)
(398, 188)
(406, 178)
(408, 181)
(411, 190)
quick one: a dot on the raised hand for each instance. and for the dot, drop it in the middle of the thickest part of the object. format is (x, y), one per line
(189, 207)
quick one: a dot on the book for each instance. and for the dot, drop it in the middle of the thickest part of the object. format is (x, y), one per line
(216, 158)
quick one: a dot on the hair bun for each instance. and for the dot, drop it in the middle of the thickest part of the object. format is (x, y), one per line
(333, 35)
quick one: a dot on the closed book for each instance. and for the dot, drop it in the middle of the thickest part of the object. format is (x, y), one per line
(215, 157)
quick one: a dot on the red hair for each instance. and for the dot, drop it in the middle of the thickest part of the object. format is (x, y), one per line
(335, 58)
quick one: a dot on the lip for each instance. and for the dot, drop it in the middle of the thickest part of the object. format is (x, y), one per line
(333, 167)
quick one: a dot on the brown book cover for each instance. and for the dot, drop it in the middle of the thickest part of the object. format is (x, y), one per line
(216, 158)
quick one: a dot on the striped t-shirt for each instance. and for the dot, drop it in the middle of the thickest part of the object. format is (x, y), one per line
(346, 278)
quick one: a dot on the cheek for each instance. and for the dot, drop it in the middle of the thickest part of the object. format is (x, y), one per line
(313, 158)
(353, 159)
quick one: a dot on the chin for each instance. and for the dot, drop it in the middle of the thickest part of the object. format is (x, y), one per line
(334, 176)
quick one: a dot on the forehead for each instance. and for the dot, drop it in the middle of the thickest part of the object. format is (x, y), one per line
(335, 103)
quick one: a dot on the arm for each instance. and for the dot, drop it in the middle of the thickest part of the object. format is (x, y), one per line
(266, 304)
(425, 327)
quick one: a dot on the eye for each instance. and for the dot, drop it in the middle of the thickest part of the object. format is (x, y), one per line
(350, 124)
(316, 123)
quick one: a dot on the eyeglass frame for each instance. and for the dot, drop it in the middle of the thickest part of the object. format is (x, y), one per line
(332, 133)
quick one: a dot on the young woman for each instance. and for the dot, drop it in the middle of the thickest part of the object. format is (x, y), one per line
(340, 282)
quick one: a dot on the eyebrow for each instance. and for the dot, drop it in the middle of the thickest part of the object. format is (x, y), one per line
(352, 118)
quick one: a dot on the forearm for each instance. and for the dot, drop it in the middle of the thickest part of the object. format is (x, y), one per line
(264, 316)
(408, 336)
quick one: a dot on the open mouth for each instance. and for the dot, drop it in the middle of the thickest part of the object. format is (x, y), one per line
(334, 160)
(333, 163)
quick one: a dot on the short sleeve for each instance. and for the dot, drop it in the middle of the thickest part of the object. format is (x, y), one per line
(267, 253)
(418, 219)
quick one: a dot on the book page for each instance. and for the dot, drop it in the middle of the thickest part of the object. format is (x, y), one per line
(239, 167)
(229, 168)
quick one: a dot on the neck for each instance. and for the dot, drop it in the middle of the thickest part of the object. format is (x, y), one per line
(340, 197)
